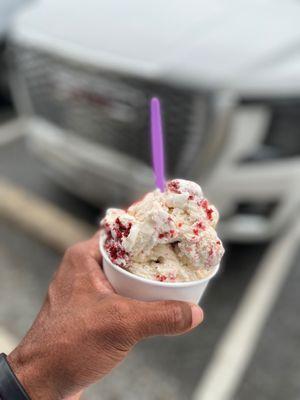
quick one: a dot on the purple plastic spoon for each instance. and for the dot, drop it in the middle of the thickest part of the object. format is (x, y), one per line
(158, 161)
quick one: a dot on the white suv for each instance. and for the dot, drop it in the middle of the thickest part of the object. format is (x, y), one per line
(84, 73)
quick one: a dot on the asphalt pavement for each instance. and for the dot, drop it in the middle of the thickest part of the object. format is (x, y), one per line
(274, 372)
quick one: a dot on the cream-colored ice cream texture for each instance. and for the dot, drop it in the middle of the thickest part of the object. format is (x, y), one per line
(167, 236)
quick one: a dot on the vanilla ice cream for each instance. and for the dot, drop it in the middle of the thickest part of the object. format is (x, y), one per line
(167, 236)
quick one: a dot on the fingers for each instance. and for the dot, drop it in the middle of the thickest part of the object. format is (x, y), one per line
(87, 248)
(147, 318)
(166, 317)
(92, 247)
(85, 258)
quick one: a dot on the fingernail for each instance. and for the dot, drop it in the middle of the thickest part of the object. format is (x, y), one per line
(197, 315)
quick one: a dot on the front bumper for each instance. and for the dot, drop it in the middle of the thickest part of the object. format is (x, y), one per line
(106, 177)
(100, 175)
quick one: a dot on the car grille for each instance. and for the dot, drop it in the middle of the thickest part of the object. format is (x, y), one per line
(112, 109)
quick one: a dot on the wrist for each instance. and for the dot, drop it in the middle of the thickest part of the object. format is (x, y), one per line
(10, 386)
(30, 374)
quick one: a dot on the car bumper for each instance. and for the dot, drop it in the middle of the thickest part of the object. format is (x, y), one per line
(98, 174)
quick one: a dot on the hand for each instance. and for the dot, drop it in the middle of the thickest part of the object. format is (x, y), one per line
(84, 328)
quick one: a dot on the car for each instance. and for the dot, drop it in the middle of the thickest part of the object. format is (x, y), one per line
(82, 77)
(8, 9)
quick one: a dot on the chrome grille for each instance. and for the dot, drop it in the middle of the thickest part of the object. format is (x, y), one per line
(112, 109)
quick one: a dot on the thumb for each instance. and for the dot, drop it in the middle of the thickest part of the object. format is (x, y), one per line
(166, 317)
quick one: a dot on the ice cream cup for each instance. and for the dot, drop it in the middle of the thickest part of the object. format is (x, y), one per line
(133, 286)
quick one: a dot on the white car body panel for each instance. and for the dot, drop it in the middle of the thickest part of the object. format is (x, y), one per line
(235, 45)
(237, 48)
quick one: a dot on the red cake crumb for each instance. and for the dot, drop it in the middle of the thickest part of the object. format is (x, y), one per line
(122, 229)
(171, 233)
(116, 252)
(118, 233)
(180, 225)
(191, 197)
(160, 278)
(172, 276)
(174, 187)
(107, 227)
(201, 225)
(109, 236)
(209, 211)
(196, 231)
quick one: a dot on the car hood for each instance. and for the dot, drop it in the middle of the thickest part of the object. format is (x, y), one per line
(241, 45)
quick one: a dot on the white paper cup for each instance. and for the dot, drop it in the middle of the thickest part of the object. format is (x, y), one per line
(133, 286)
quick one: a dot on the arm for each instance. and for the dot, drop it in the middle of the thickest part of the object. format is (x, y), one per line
(84, 329)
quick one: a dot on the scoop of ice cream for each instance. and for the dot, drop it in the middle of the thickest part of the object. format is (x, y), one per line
(167, 236)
